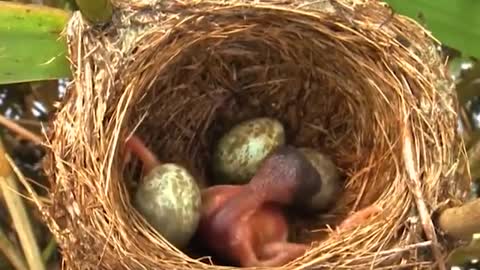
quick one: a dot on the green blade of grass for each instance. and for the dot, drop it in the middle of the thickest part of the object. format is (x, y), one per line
(31, 48)
(455, 23)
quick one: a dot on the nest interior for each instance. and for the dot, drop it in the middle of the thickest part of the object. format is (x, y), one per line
(345, 77)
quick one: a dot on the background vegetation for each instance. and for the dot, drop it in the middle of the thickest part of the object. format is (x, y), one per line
(34, 71)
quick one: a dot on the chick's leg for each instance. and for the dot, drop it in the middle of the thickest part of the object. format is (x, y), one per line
(358, 218)
(280, 253)
(244, 252)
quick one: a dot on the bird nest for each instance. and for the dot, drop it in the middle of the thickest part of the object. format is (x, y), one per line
(349, 78)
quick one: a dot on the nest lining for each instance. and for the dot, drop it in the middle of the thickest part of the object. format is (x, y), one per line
(352, 82)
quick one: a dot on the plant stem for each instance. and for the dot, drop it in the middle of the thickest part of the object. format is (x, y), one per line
(11, 253)
(16, 207)
(97, 11)
(461, 222)
(49, 249)
(19, 130)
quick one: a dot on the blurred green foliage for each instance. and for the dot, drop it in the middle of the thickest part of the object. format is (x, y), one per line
(465, 253)
(455, 23)
(31, 47)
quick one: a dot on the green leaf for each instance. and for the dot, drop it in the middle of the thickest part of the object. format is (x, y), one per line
(31, 47)
(456, 23)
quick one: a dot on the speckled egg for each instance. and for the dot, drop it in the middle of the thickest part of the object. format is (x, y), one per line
(330, 175)
(241, 150)
(170, 200)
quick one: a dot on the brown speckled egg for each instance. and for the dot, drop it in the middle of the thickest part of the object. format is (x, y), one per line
(170, 200)
(330, 175)
(241, 150)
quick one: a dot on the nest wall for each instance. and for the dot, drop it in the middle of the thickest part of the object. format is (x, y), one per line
(345, 77)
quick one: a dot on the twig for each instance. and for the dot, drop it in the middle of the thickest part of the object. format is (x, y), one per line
(16, 207)
(406, 248)
(415, 188)
(38, 200)
(11, 253)
(21, 131)
(395, 252)
(466, 124)
(474, 155)
(34, 126)
(27, 122)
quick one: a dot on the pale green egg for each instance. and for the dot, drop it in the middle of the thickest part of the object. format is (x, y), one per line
(241, 150)
(331, 180)
(170, 200)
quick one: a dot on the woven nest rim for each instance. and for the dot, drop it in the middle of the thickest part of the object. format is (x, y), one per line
(386, 71)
